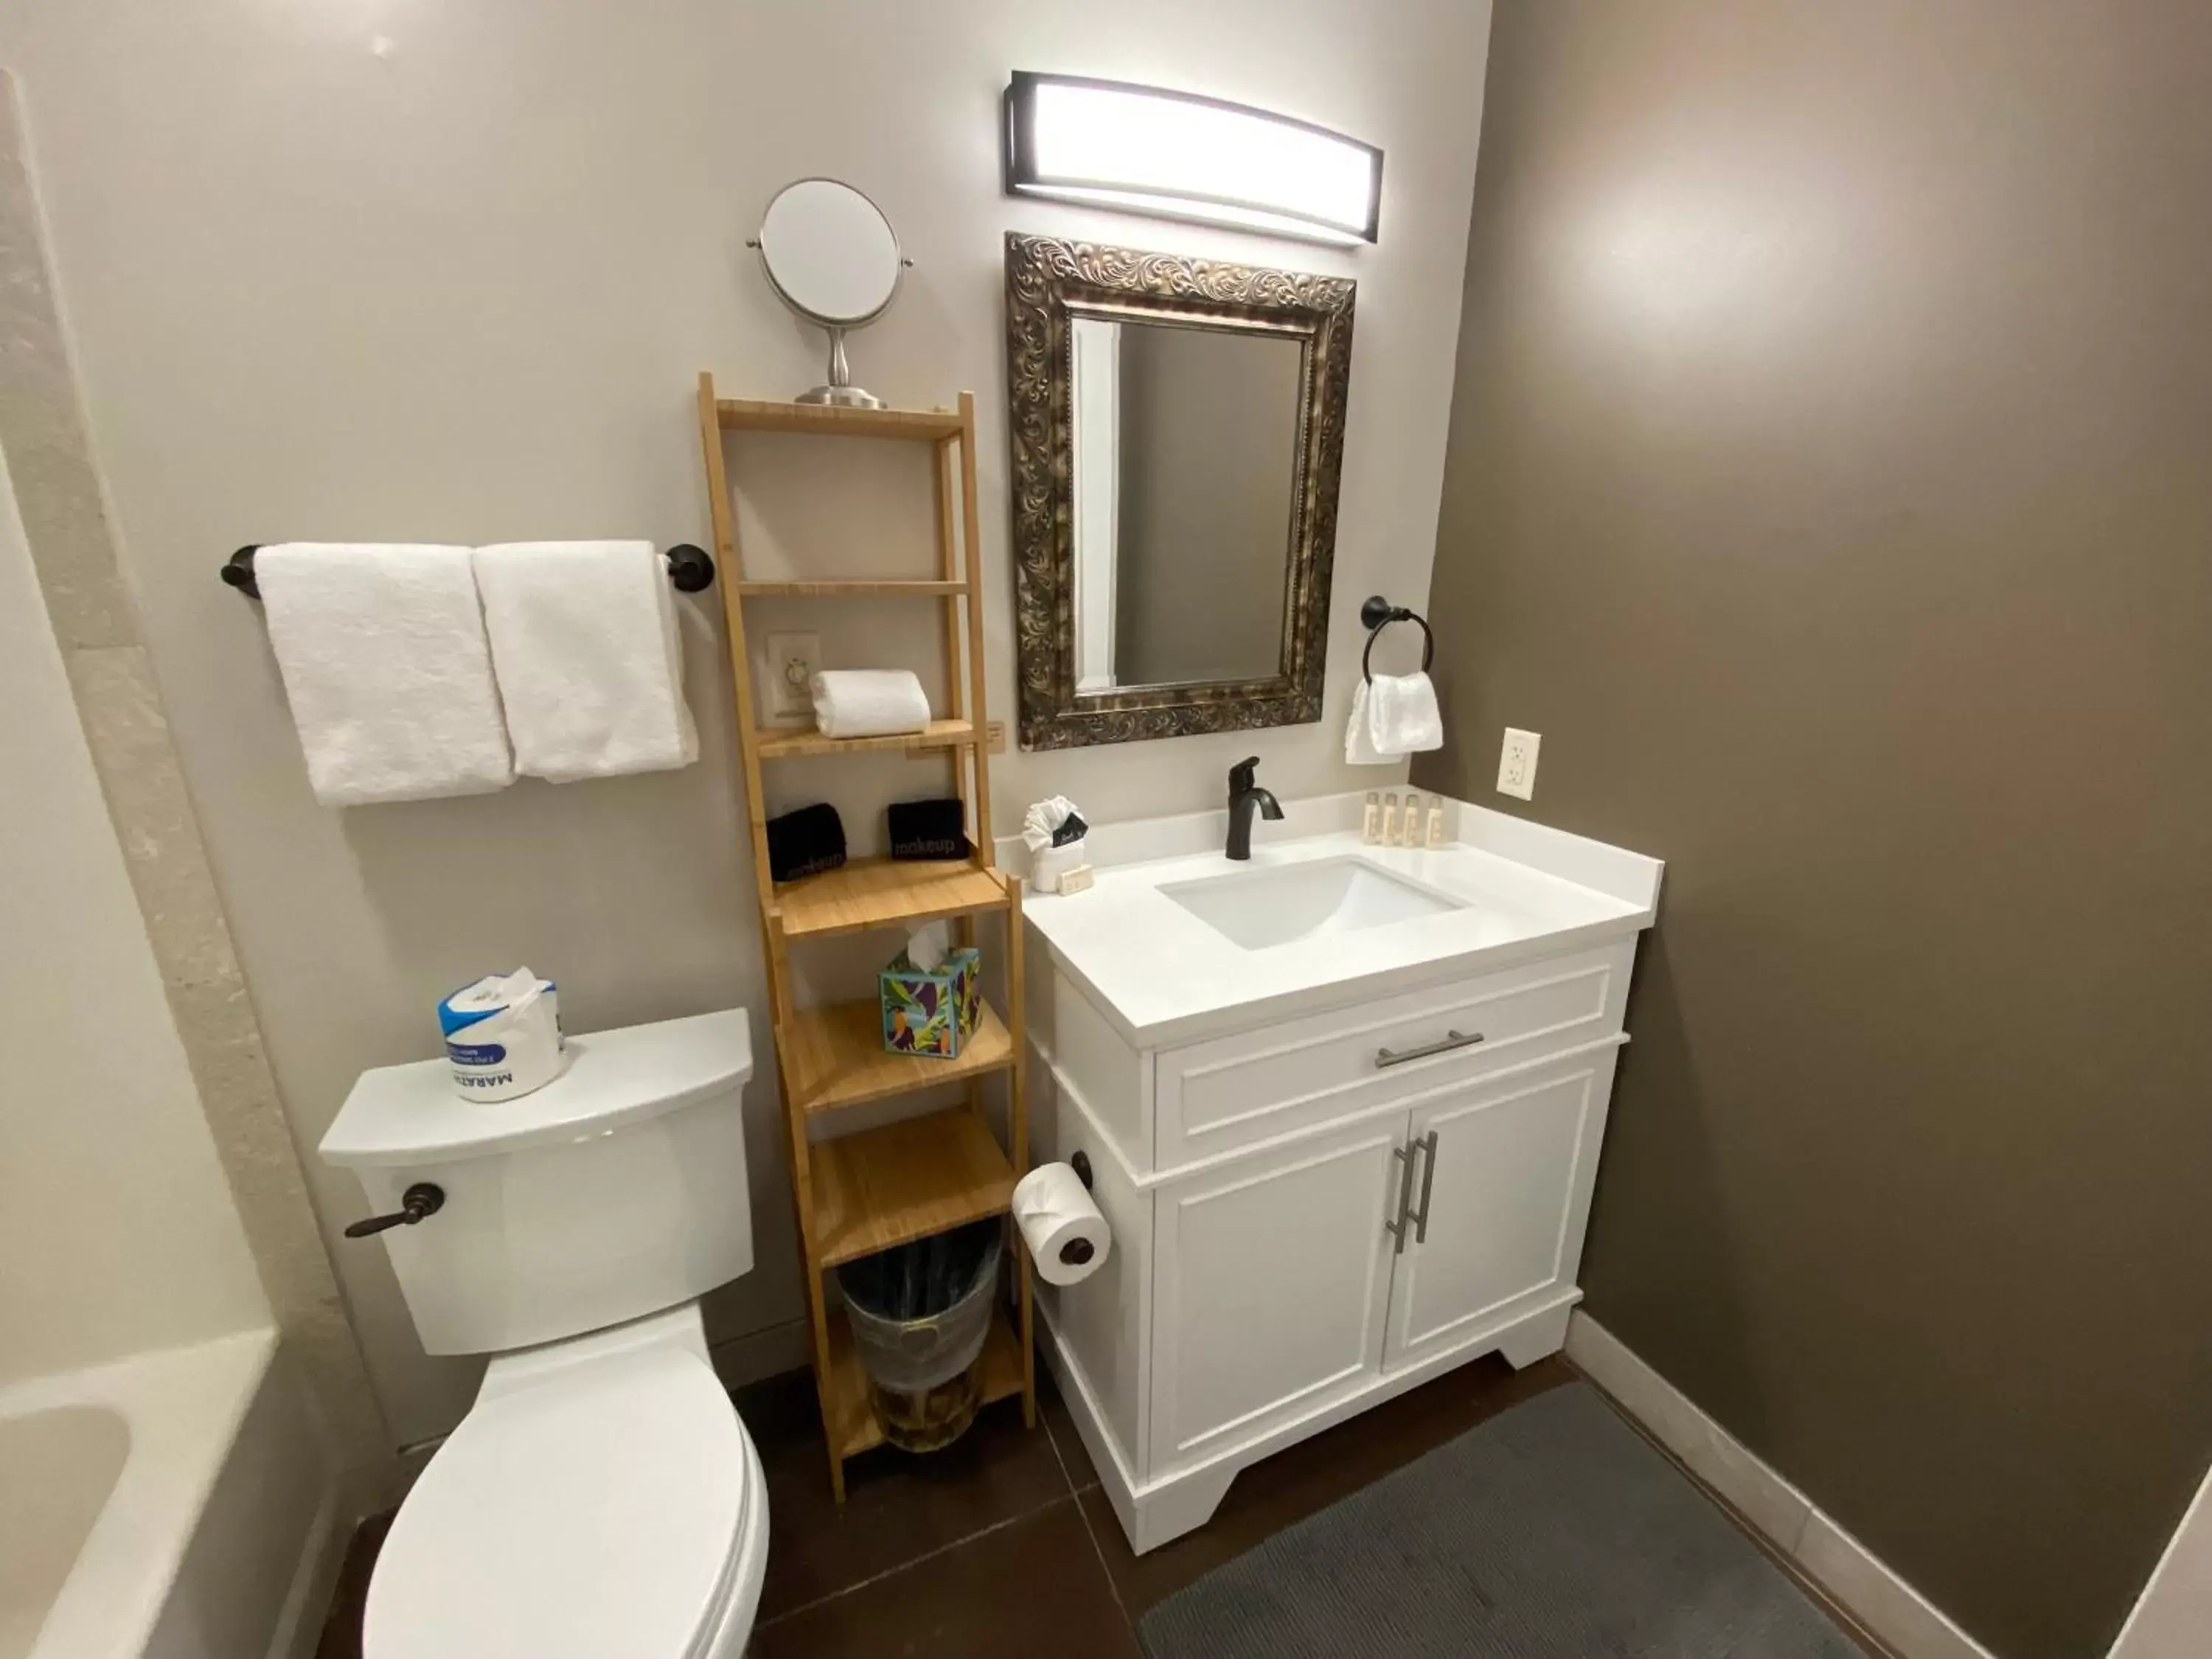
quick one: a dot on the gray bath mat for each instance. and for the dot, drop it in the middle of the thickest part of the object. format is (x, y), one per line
(1552, 1529)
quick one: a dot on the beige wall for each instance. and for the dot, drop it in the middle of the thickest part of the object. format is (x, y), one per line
(1829, 485)
(393, 270)
(1208, 453)
(117, 1228)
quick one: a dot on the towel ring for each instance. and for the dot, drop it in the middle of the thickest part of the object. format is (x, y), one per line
(1378, 614)
(691, 569)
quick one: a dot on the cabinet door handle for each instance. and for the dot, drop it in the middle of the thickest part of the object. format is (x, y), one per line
(1428, 1143)
(1444, 1045)
(1397, 1229)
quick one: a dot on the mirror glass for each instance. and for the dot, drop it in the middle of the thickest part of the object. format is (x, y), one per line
(1186, 452)
(830, 251)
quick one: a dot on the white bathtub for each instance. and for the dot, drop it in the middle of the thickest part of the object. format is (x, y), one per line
(173, 1505)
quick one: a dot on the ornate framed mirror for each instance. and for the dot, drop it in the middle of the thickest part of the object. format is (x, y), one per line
(1177, 432)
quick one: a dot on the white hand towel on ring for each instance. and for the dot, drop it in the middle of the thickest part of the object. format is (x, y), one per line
(1393, 716)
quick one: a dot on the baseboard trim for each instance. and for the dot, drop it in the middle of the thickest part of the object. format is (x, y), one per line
(755, 1355)
(1858, 1580)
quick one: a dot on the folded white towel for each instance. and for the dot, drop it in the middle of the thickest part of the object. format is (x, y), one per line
(867, 702)
(1395, 715)
(386, 667)
(585, 640)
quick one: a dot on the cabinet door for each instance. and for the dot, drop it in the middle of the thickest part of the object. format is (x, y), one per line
(1271, 1280)
(1507, 1181)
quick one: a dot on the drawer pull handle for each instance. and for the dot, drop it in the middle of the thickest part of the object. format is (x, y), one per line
(1444, 1045)
(1397, 1229)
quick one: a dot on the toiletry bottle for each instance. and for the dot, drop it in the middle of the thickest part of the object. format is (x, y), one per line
(1390, 818)
(1410, 831)
(1371, 823)
(1435, 820)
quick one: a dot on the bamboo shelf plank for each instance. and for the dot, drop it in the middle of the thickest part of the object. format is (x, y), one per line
(882, 892)
(831, 420)
(853, 1425)
(905, 1181)
(859, 587)
(837, 1058)
(772, 742)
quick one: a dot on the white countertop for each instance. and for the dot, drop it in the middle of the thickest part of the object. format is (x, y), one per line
(1162, 975)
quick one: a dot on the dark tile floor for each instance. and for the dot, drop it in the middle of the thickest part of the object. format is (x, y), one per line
(1004, 1544)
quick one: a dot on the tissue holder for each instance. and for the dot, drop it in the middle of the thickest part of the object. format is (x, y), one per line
(933, 1011)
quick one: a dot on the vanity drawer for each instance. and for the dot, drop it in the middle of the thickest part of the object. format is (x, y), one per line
(1230, 1091)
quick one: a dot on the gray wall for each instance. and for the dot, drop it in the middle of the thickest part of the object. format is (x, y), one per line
(1830, 482)
(1209, 447)
(449, 272)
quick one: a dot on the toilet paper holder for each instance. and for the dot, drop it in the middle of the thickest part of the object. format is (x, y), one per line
(1077, 1251)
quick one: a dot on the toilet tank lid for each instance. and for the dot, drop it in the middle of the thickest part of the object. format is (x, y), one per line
(411, 1115)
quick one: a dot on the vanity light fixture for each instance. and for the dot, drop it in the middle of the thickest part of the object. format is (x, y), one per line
(1177, 155)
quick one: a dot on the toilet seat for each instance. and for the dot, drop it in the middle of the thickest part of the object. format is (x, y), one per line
(613, 1509)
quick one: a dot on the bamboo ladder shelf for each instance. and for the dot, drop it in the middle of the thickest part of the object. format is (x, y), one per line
(858, 1193)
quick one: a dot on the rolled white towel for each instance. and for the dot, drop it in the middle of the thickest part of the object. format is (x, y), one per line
(867, 702)
(584, 639)
(386, 668)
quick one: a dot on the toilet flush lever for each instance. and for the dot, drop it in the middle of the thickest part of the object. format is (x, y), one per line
(425, 1198)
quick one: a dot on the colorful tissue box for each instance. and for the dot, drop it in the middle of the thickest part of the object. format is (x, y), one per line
(933, 1011)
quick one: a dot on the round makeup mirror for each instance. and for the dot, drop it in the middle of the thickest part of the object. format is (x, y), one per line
(831, 256)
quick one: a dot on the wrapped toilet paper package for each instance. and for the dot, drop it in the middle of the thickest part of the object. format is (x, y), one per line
(1067, 1236)
(503, 1036)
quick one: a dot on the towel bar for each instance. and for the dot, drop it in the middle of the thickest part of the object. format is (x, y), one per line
(690, 567)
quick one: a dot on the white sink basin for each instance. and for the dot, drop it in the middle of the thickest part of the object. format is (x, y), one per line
(1257, 908)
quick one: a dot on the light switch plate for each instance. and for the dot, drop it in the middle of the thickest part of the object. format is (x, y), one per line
(792, 659)
(1516, 763)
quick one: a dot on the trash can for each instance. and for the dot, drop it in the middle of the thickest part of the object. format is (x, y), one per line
(920, 1314)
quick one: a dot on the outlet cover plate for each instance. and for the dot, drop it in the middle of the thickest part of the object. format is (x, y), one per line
(1516, 763)
(792, 659)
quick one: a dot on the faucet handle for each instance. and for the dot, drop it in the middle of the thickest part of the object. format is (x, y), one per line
(1243, 775)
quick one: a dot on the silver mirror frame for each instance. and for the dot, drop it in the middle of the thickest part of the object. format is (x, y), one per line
(838, 388)
(1045, 277)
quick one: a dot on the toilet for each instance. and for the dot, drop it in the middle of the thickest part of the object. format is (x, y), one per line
(601, 1499)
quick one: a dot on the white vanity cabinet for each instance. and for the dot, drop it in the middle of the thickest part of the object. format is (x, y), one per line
(1313, 1213)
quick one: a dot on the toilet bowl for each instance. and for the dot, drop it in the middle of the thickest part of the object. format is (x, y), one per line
(601, 1499)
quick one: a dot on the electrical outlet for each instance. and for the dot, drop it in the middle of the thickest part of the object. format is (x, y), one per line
(1516, 763)
(792, 659)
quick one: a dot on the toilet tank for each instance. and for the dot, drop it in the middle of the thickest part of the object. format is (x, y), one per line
(615, 1190)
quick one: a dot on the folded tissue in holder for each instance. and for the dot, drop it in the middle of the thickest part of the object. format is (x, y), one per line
(1054, 831)
(927, 946)
(503, 1036)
